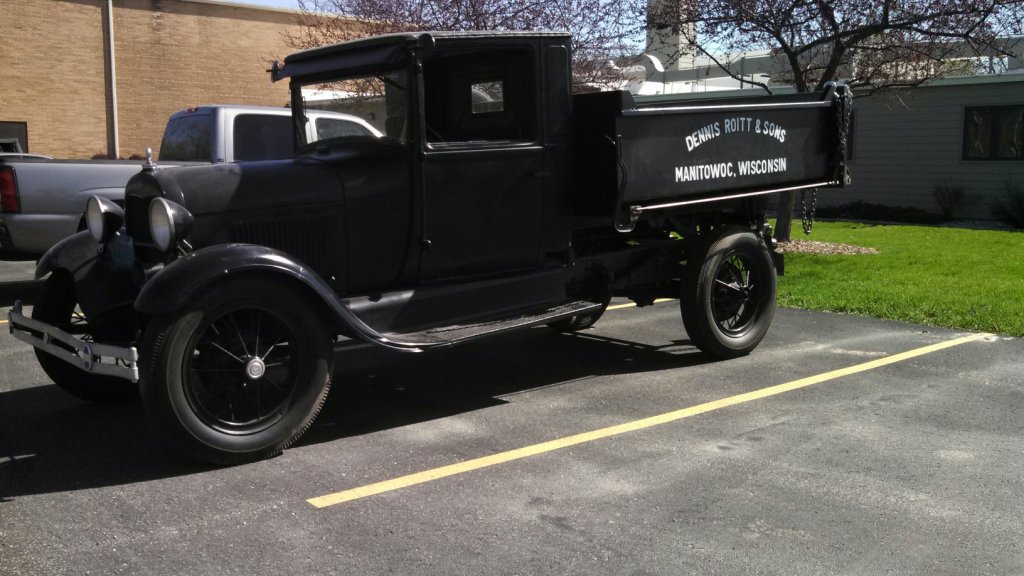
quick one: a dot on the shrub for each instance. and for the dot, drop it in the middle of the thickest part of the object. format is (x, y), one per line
(948, 197)
(865, 211)
(1010, 208)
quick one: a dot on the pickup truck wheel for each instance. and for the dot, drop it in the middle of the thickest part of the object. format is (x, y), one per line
(58, 306)
(728, 299)
(239, 373)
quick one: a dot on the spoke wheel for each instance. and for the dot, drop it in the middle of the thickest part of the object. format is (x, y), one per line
(734, 295)
(57, 306)
(728, 298)
(240, 373)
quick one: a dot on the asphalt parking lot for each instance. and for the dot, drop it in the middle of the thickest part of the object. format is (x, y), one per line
(841, 446)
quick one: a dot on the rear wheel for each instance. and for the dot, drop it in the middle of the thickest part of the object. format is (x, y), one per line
(239, 373)
(57, 306)
(728, 298)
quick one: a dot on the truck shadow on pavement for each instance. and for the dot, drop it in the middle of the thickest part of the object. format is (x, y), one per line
(52, 442)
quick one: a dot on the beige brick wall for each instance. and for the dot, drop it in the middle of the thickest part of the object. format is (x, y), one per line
(52, 74)
(171, 54)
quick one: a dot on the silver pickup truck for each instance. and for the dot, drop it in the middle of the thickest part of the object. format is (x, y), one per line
(42, 200)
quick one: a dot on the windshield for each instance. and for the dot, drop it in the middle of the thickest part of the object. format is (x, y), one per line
(375, 105)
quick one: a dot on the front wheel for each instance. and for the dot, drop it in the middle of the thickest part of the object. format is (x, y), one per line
(728, 298)
(57, 306)
(239, 373)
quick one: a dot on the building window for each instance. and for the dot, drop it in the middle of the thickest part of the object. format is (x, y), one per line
(14, 137)
(993, 133)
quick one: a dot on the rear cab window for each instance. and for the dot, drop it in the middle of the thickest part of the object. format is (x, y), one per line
(188, 138)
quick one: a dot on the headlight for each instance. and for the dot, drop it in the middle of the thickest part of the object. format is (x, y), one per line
(103, 217)
(168, 223)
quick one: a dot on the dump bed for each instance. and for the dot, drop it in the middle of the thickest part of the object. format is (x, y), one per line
(633, 159)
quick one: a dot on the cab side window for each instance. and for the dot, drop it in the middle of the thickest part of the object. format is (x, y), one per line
(262, 137)
(473, 98)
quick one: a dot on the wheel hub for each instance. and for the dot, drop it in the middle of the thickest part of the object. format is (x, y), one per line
(255, 368)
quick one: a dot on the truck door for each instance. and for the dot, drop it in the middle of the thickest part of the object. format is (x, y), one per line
(484, 168)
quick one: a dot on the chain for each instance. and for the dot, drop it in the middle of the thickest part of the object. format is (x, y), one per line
(843, 112)
(807, 216)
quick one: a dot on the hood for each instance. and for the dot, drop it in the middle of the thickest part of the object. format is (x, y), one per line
(214, 191)
(297, 205)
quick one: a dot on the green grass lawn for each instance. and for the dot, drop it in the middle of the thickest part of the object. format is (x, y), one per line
(971, 279)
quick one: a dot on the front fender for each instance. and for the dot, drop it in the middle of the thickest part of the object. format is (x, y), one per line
(103, 281)
(76, 254)
(185, 278)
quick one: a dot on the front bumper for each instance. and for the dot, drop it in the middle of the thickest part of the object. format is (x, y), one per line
(91, 357)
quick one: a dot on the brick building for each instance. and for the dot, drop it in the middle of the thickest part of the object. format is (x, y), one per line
(59, 89)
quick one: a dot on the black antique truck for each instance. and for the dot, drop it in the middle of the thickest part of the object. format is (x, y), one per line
(492, 199)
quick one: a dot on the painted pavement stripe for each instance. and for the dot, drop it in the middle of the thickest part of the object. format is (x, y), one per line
(560, 443)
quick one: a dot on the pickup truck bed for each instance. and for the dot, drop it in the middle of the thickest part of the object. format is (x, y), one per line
(50, 195)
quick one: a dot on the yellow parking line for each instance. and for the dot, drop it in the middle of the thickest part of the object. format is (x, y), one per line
(552, 445)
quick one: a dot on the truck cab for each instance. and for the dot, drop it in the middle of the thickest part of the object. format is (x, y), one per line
(480, 124)
(487, 198)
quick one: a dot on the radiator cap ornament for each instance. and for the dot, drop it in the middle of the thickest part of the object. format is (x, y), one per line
(149, 166)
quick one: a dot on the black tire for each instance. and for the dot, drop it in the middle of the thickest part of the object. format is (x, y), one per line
(728, 294)
(57, 306)
(238, 374)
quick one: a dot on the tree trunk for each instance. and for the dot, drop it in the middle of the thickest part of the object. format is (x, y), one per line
(785, 216)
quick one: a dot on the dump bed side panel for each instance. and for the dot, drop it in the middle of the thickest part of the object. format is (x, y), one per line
(633, 158)
(685, 154)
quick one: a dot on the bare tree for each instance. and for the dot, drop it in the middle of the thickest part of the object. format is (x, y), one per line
(871, 44)
(602, 30)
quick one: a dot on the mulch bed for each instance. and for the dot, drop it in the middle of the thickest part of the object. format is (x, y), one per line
(822, 248)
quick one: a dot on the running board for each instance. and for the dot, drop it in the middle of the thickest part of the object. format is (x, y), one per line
(459, 333)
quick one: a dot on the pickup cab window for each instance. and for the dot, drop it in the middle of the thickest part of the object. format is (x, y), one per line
(262, 137)
(378, 103)
(188, 139)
